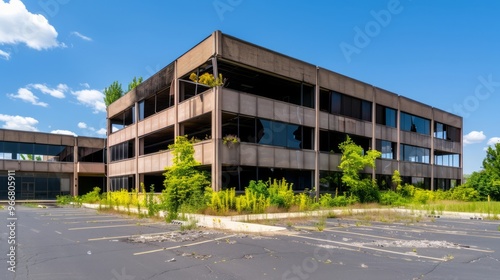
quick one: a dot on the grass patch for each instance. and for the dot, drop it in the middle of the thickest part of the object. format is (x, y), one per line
(30, 205)
(482, 207)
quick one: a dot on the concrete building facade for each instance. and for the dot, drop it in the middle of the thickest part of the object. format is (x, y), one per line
(47, 165)
(289, 116)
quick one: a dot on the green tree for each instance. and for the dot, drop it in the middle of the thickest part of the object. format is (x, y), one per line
(135, 82)
(353, 161)
(487, 181)
(184, 184)
(112, 93)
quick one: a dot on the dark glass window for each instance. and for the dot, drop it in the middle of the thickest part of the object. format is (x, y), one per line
(446, 159)
(324, 100)
(387, 148)
(350, 107)
(415, 124)
(446, 132)
(415, 154)
(386, 116)
(122, 151)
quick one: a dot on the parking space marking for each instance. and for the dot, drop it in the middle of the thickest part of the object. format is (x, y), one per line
(58, 232)
(96, 221)
(370, 248)
(78, 217)
(69, 214)
(362, 234)
(184, 245)
(127, 236)
(113, 226)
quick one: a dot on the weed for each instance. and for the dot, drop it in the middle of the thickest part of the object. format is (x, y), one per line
(190, 225)
(320, 225)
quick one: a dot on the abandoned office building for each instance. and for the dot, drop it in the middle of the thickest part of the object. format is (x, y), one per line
(47, 165)
(289, 116)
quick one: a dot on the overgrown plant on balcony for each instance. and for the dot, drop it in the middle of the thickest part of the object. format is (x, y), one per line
(230, 139)
(207, 79)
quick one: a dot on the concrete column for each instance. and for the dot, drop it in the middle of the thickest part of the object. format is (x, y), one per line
(175, 85)
(316, 134)
(108, 152)
(398, 125)
(374, 126)
(216, 141)
(431, 160)
(75, 167)
(136, 146)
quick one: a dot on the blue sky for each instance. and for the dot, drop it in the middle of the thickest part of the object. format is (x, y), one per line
(57, 56)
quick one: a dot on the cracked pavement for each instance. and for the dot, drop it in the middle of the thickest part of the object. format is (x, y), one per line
(77, 243)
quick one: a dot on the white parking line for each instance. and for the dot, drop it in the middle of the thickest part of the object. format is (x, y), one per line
(180, 246)
(113, 226)
(127, 236)
(370, 248)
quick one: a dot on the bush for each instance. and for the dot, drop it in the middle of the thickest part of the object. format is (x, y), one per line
(392, 198)
(64, 199)
(366, 191)
(281, 193)
(92, 197)
(464, 193)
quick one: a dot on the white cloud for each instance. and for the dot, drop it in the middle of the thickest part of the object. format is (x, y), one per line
(18, 25)
(4, 55)
(81, 36)
(27, 96)
(18, 122)
(493, 141)
(85, 85)
(474, 137)
(101, 131)
(82, 125)
(57, 92)
(91, 98)
(63, 132)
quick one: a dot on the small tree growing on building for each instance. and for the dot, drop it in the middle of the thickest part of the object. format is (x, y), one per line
(353, 161)
(112, 93)
(134, 83)
(184, 183)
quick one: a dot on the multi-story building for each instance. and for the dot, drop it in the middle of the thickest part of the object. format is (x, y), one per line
(47, 165)
(289, 115)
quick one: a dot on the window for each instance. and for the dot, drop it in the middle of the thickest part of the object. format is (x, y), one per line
(387, 148)
(446, 159)
(122, 151)
(268, 132)
(415, 124)
(446, 132)
(329, 141)
(415, 154)
(386, 116)
(350, 107)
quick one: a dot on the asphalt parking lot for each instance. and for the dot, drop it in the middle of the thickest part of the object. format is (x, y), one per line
(77, 243)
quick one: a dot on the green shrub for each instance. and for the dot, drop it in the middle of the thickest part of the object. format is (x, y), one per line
(64, 199)
(281, 193)
(392, 198)
(366, 191)
(92, 197)
(464, 193)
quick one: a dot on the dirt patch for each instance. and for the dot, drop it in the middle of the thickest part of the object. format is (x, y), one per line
(175, 236)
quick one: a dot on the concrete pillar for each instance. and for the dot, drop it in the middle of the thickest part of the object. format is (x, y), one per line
(75, 167)
(374, 126)
(431, 160)
(136, 146)
(316, 134)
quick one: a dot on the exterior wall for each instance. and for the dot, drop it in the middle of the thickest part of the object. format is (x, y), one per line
(221, 47)
(49, 169)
